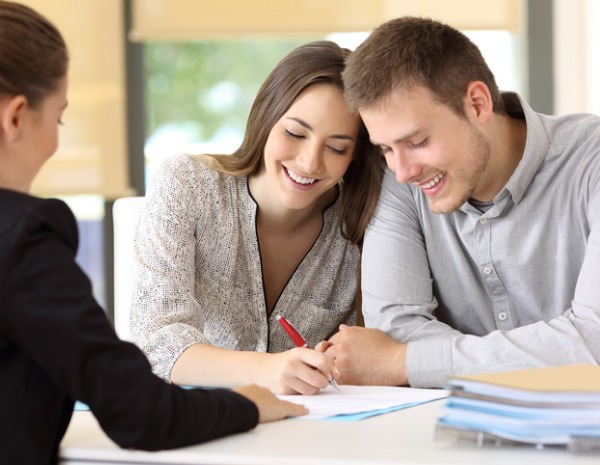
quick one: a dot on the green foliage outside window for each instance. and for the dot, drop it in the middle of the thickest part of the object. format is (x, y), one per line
(205, 89)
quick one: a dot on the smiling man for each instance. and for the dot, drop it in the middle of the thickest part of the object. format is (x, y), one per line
(484, 251)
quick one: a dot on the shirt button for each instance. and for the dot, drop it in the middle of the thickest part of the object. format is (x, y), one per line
(487, 270)
(483, 220)
(502, 316)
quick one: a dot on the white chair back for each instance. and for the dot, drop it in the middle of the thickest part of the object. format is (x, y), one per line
(126, 213)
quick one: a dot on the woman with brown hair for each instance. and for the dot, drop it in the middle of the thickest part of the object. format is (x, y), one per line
(228, 242)
(56, 345)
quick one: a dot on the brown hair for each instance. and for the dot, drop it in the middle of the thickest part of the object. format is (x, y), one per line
(312, 63)
(412, 51)
(33, 54)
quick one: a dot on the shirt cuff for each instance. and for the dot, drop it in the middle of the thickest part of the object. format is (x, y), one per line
(429, 362)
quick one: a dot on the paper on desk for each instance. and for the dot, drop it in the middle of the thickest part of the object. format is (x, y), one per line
(353, 403)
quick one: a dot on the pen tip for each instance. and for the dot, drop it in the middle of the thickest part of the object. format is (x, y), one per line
(277, 317)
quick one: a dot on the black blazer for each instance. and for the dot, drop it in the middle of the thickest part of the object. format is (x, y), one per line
(57, 346)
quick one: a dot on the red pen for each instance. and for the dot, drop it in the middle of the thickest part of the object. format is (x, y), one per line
(291, 332)
(298, 339)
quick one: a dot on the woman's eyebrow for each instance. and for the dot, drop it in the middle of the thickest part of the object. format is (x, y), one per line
(309, 127)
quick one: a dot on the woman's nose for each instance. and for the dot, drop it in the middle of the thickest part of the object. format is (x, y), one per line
(310, 159)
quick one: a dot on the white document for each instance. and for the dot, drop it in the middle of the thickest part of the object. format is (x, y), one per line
(354, 400)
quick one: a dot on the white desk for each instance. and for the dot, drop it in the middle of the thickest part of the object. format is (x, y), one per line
(402, 437)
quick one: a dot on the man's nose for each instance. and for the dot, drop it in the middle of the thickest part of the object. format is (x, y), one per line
(402, 166)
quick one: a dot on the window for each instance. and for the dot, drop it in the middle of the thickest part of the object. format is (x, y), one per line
(198, 94)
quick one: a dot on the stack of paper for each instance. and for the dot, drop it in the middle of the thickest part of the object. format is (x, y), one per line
(542, 406)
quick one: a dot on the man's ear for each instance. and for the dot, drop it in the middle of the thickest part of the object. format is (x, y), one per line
(479, 103)
(11, 118)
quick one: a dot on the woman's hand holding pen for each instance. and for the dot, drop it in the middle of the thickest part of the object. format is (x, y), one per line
(299, 340)
(296, 371)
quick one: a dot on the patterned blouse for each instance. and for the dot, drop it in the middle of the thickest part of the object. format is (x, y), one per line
(199, 274)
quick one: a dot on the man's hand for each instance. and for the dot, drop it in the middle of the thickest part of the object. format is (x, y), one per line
(366, 356)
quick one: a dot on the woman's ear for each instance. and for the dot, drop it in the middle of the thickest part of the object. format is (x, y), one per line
(12, 111)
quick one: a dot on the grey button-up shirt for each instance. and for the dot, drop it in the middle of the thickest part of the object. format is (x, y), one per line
(517, 286)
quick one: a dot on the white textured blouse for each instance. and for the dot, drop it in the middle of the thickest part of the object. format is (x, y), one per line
(199, 274)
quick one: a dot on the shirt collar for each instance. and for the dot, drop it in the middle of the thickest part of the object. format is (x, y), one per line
(536, 147)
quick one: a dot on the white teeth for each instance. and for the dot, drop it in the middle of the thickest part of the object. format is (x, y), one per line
(434, 181)
(299, 179)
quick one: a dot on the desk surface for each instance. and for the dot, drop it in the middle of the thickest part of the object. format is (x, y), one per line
(402, 437)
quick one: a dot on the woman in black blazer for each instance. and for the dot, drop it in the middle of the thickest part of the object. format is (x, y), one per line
(56, 345)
